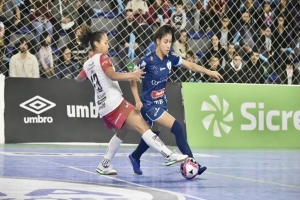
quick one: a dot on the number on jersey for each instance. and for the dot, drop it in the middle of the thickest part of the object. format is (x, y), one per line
(96, 83)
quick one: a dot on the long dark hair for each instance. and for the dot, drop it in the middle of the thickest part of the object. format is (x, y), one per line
(43, 38)
(88, 37)
(162, 31)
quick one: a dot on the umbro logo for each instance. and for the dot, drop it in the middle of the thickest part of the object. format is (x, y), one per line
(37, 105)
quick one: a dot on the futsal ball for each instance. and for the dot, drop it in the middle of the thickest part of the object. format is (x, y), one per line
(189, 168)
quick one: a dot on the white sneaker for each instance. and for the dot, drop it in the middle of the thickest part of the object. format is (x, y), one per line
(106, 170)
(174, 158)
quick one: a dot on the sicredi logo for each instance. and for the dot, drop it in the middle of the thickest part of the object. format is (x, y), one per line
(37, 105)
(218, 116)
(252, 116)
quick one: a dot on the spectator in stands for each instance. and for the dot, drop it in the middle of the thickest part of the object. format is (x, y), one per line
(140, 10)
(281, 42)
(289, 76)
(193, 76)
(216, 49)
(125, 28)
(178, 18)
(253, 13)
(267, 16)
(78, 50)
(253, 71)
(246, 30)
(10, 16)
(283, 10)
(230, 53)
(64, 18)
(45, 55)
(296, 20)
(40, 17)
(193, 12)
(23, 64)
(85, 12)
(158, 15)
(233, 12)
(233, 70)
(264, 42)
(181, 46)
(224, 32)
(66, 68)
(216, 10)
(214, 65)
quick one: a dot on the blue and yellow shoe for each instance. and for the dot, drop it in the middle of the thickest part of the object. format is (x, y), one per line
(135, 164)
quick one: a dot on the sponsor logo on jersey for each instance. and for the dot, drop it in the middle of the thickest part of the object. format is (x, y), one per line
(37, 105)
(158, 93)
(163, 80)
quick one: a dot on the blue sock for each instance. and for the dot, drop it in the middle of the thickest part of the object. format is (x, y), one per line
(181, 141)
(142, 148)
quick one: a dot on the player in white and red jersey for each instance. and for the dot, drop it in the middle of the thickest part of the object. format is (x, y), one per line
(117, 113)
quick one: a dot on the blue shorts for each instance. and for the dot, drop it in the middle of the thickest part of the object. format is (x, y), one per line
(152, 113)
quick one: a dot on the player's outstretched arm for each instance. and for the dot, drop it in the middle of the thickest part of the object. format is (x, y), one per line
(137, 74)
(135, 92)
(197, 68)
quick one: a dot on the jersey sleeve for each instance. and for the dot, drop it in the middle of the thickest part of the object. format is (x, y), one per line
(175, 59)
(83, 74)
(141, 64)
(105, 62)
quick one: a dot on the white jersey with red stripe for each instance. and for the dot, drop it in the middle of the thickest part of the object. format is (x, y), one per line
(108, 94)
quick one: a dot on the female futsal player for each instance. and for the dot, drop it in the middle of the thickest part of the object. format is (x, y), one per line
(113, 108)
(153, 102)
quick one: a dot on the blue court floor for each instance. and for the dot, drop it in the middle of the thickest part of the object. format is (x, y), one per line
(68, 172)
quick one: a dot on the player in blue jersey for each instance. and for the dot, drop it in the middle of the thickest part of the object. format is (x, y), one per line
(153, 101)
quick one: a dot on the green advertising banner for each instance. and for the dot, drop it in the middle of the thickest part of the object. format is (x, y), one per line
(242, 116)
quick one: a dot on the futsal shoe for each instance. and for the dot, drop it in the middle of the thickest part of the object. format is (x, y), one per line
(135, 164)
(175, 158)
(106, 170)
(201, 169)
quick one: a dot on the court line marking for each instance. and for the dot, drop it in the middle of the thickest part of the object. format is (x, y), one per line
(239, 177)
(121, 180)
(156, 167)
(87, 154)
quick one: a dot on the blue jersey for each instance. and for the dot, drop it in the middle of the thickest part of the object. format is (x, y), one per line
(156, 77)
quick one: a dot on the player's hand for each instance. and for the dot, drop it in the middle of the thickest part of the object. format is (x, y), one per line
(138, 105)
(138, 74)
(215, 75)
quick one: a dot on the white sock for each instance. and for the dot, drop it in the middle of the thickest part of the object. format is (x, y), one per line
(154, 141)
(111, 150)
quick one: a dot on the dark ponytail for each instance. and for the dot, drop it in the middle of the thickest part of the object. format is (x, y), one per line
(88, 37)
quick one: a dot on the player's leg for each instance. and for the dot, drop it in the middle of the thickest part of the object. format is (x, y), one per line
(136, 122)
(104, 167)
(134, 158)
(176, 128)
